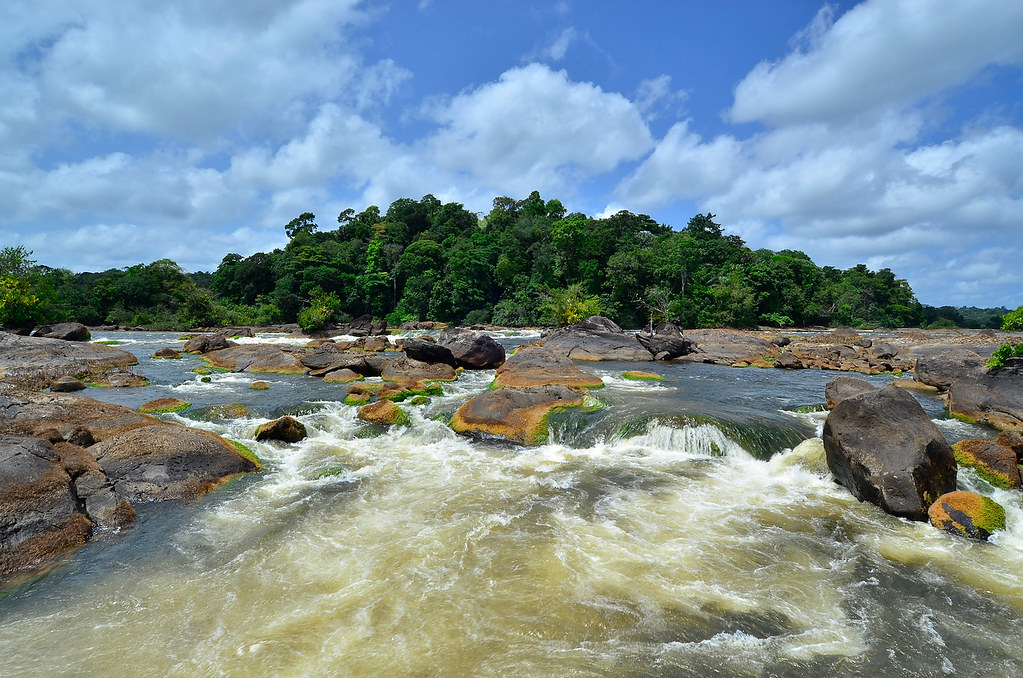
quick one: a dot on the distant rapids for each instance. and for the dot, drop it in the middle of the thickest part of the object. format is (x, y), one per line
(675, 528)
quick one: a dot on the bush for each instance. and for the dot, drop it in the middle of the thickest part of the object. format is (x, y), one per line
(323, 309)
(997, 360)
(1013, 321)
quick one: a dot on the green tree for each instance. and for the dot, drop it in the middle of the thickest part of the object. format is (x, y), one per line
(303, 223)
(1013, 322)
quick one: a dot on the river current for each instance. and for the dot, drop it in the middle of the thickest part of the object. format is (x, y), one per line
(674, 528)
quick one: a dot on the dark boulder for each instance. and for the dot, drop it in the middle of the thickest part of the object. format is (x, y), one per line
(168, 462)
(595, 338)
(518, 415)
(167, 353)
(788, 361)
(285, 429)
(65, 331)
(39, 513)
(537, 366)
(427, 350)
(781, 342)
(471, 349)
(991, 397)
(665, 342)
(943, 368)
(204, 343)
(883, 448)
(967, 514)
(67, 385)
(840, 388)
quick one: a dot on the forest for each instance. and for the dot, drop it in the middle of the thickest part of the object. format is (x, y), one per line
(525, 263)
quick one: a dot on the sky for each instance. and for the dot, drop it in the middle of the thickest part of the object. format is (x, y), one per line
(885, 132)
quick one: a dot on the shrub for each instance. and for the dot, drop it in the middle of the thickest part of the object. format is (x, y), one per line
(997, 360)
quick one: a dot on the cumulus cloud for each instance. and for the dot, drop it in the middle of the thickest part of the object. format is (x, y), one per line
(879, 54)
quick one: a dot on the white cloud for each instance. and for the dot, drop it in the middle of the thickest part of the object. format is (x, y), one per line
(535, 127)
(559, 47)
(879, 54)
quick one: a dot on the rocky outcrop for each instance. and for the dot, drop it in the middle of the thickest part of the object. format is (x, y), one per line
(263, 358)
(729, 347)
(883, 448)
(39, 512)
(427, 350)
(204, 343)
(943, 368)
(285, 429)
(538, 366)
(41, 361)
(64, 331)
(168, 462)
(518, 415)
(840, 388)
(665, 342)
(992, 397)
(593, 339)
(967, 514)
(787, 360)
(471, 349)
(993, 460)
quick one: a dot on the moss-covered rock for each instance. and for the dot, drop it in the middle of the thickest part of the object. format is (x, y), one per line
(259, 386)
(167, 354)
(357, 398)
(383, 413)
(638, 375)
(968, 514)
(994, 462)
(519, 415)
(342, 376)
(285, 429)
(164, 405)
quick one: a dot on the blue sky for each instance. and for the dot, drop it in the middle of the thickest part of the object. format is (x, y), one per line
(883, 132)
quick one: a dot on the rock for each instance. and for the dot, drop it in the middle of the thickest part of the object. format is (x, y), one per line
(844, 334)
(42, 360)
(384, 413)
(665, 342)
(259, 386)
(167, 353)
(788, 361)
(944, 368)
(595, 338)
(728, 347)
(168, 462)
(39, 514)
(120, 379)
(994, 398)
(538, 366)
(204, 343)
(1014, 441)
(968, 514)
(408, 368)
(882, 351)
(103, 505)
(64, 331)
(427, 350)
(67, 385)
(518, 415)
(994, 462)
(639, 375)
(781, 342)
(263, 358)
(162, 405)
(883, 448)
(840, 388)
(285, 429)
(913, 385)
(342, 376)
(374, 344)
(471, 349)
(29, 413)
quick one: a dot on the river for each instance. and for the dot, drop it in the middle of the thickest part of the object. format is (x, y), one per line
(669, 530)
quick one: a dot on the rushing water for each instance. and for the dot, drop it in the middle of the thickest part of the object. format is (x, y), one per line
(670, 531)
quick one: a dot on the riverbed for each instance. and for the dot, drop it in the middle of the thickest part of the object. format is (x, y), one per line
(667, 529)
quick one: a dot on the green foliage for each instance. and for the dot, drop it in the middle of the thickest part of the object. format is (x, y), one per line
(567, 306)
(998, 357)
(323, 309)
(1013, 322)
(776, 319)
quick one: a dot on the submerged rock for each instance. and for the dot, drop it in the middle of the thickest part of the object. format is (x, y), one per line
(968, 514)
(383, 413)
(518, 415)
(883, 448)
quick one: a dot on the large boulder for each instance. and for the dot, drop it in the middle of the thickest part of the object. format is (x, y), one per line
(37, 359)
(991, 397)
(383, 413)
(404, 368)
(168, 462)
(595, 338)
(428, 350)
(840, 388)
(286, 429)
(471, 349)
(729, 347)
(883, 448)
(65, 331)
(518, 415)
(204, 343)
(538, 366)
(39, 512)
(268, 358)
(665, 342)
(968, 514)
(943, 368)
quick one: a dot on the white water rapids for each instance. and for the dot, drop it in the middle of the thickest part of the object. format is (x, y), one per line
(671, 552)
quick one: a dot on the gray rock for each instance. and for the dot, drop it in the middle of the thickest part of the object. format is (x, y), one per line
(840, 388)
(992, 397)
(595, 338)
(944, 368)
(665, 342)
(471, 349)
(67, 385)
(64, 331)
(883, 448)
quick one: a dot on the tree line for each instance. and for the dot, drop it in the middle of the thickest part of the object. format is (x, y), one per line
(525, 263)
